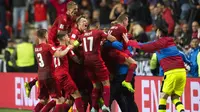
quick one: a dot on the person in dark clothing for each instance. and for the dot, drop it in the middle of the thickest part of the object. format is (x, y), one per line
(52, 12)
(195, 12)
(186, 35)
(138, 11)
(4, 36)
(3, 12)
(124, 98)
(104, 14)
(7, 56)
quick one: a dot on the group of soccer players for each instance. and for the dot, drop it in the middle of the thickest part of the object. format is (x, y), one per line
(70, 62)
(74, 67)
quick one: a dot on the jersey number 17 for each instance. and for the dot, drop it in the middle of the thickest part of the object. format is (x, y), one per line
(86, 41)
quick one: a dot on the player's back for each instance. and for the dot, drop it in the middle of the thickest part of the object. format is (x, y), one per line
(91, 41)
(117, 31)
(44, 60)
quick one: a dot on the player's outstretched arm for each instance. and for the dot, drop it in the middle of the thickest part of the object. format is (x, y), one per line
(148, 46)
(62, 53)
(131, 43)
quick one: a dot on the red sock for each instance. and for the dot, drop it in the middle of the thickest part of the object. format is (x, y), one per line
(79, 104)
(95, 97)
(131, 69)
(66, 107)
(106, 95)
(49, 106)
(58, 108)
(32, 83)
(38, 107)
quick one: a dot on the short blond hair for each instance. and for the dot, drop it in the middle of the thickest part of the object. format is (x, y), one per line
(71, 4)
(79, 18)
(122, 17)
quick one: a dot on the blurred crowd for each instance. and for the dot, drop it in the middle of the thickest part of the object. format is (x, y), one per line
(20, 18)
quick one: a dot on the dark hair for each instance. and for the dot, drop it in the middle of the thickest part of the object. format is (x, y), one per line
(122, 17)
(162, 25)
(60, 36)
(71, 4)
(41, 33)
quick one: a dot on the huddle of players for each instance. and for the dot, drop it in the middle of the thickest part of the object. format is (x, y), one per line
(55, 49)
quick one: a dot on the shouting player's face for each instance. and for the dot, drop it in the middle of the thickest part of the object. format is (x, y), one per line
(83, 24)
(73, 11)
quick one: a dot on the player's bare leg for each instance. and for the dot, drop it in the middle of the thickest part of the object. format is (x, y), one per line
(178, 104)
(106, 95)
(95, 96)
(78, 101)
(162, 102)
(40, 105)
(132, 64)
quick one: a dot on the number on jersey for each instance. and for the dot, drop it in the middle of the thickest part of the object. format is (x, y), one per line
(85, 42)
(41, 62)
(56, 62)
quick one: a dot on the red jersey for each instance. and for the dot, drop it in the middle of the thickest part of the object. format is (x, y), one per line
(60, 7)
(62, 23)
(62, 64)
(117, 31)
(75, 33)
(40, 10)
(44, 54)
(91, 41)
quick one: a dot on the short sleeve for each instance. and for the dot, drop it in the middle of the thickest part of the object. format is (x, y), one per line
(52, 49)
(74, 34)
(123, 30)
(102, 34)
(61, 23)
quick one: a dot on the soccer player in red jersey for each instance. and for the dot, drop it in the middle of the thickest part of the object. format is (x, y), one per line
(63, 23)
(79, 76)
(94, 65)
(121, 56)
(64, 78)
(47, 83)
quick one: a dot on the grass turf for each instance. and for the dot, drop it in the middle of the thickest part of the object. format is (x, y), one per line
(13, 110)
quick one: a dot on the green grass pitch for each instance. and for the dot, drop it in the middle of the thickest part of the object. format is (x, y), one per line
(13, 110)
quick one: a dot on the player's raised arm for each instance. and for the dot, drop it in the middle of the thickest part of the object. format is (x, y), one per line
(62, 53)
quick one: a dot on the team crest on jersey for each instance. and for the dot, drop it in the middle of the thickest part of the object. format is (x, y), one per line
(53, 48)
(73, 36)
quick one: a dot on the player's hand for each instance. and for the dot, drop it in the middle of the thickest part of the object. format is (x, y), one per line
(110, 37)
(70, 46)
(125, 36)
